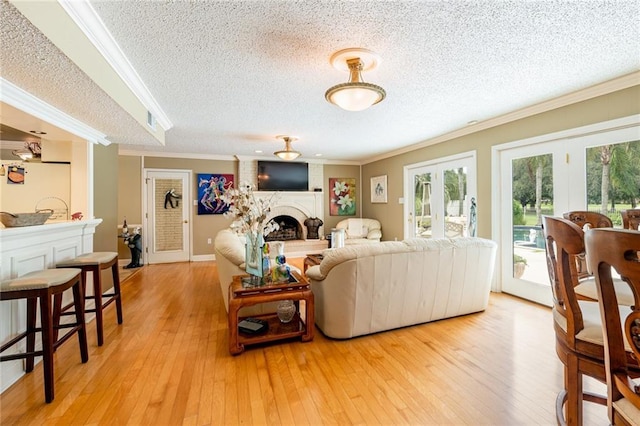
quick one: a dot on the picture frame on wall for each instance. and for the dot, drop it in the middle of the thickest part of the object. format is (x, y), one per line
(211, 186)
(379, 189)
(342, 197)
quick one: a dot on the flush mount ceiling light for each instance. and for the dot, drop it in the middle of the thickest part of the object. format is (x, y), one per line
(356, 95)
(287, 153)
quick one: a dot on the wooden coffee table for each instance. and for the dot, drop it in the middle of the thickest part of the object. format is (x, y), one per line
(240, 296)
(311, 260)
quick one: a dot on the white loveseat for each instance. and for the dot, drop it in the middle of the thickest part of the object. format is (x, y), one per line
(364, 289)
(360, 231)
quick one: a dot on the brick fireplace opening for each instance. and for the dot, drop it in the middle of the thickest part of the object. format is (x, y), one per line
(290, 229)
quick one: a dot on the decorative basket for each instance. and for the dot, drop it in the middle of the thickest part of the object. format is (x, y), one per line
(12, 220)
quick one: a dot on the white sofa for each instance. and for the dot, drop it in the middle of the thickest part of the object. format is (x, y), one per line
(369, 288)
(360, 231)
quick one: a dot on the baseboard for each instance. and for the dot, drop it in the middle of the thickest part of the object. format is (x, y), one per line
(203, 257)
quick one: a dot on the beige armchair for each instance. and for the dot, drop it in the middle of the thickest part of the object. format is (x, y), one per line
(360, 231)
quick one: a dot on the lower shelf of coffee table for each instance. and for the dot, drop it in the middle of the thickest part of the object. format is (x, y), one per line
(276, 331)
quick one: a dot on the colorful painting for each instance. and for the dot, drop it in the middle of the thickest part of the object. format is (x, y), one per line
(342, 196)
(210, 188)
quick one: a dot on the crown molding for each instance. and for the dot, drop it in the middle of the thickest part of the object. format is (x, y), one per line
(191, 156)
(298, 160)
(620, 83)
(24, 101)
(86, 18)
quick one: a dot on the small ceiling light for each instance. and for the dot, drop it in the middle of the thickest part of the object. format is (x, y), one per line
(356, 95)
(37, 132)
(287, 153)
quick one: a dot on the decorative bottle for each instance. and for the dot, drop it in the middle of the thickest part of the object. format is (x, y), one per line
(266, 264)
(125, 228)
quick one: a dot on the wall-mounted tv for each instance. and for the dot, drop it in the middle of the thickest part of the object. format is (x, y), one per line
(283, 176)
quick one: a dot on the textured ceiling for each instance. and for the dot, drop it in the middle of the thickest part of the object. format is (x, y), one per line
(231, 75)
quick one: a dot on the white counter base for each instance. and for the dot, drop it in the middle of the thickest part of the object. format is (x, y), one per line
(34, 248)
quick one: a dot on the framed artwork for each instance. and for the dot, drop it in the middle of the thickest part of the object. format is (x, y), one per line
(15, 175)
(342, 196)
(210, 188)
(379, 189)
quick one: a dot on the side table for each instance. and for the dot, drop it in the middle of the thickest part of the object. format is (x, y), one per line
(240, 296)
(311, 260)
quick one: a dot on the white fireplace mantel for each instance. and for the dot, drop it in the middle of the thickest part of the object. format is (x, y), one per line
(298, 204)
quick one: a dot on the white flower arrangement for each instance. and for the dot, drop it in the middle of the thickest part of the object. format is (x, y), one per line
(250, 213)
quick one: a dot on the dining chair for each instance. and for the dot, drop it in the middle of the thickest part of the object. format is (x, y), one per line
(577, 326)
(618, 249)
(587, 220)
(630, 219)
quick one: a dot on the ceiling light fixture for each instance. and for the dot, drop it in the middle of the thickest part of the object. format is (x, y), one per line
(356, 95)
(287, 153)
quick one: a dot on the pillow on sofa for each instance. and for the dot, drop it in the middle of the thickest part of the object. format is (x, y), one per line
(230, 246)
(356, 229)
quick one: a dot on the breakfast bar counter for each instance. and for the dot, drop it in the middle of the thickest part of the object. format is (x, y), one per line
(34, 248)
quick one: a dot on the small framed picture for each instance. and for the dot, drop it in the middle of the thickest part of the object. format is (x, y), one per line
(379, 189)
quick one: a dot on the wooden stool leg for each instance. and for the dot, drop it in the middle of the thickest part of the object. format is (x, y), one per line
(116, 289)
(31, 332)
(78, 300)
(97, 297)
(46, 319)
(573, 384)
(57, 313)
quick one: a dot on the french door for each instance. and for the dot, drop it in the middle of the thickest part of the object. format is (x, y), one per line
(167, 214)
(440, 197)
(550, 177)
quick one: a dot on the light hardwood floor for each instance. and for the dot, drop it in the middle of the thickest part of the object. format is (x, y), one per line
(169, 364)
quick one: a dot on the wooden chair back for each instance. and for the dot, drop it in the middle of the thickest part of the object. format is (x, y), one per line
(564, 241)
(594, 220)
(618, 249)
(630, 219)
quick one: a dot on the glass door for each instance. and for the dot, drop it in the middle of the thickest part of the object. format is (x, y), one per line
(440, 198)
(550, 178)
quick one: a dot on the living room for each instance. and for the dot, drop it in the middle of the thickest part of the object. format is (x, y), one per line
(118, 177)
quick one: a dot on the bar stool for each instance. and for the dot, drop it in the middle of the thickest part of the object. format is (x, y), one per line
(37, 287)
(94, 263)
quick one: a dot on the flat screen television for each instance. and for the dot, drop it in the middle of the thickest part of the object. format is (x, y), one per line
(283, 176)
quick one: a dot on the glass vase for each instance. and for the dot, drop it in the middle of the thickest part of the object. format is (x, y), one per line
(286, 310)
(253, 255)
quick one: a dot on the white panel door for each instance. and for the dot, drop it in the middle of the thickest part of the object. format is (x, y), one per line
(167, 214)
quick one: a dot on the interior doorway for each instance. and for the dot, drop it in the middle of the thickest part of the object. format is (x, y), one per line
(167, 211)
